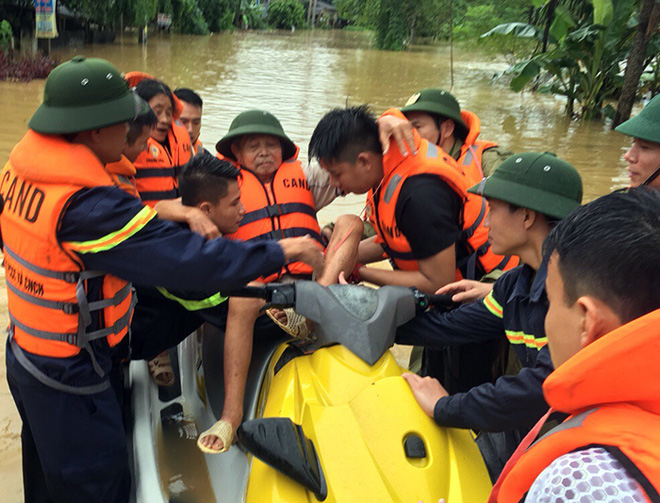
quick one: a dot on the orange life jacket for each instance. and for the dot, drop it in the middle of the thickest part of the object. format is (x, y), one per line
(471, 157)
(46, 281)
(430, 159)
(611, 388)
(279, 209)
(470, 161)
(122, 174)
(158, 168)
(198, 148)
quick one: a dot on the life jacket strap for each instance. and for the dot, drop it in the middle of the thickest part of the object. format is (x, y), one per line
(156, 172)
(467, 233)
(159, 195)
(393, 254)
(67, 307)
(276, 210)
(293, 232)
(46, 380)
(120, 296)
(68, 276)
(470, 262)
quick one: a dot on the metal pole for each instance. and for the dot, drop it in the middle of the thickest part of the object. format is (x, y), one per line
(451, 43)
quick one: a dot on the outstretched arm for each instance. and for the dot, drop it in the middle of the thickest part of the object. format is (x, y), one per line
(434, 272)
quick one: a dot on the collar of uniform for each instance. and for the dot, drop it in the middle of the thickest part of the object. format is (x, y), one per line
(455, 150)
(531, 283)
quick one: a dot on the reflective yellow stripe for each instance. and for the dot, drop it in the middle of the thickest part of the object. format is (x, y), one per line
(492, 305)
(528, 340)
(194, 305)
(114, 238)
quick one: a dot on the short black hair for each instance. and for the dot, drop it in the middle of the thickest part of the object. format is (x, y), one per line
(343, 133)
(610, 249)
(205, 178)
(148, 88)
(189, 96)
(136, 127)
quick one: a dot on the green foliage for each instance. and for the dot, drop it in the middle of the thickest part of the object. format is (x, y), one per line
(474, 17)
(188, 17)
(355, 12)
(219, 14)
(583, 61)
(252, 15)
(6, 35)
(391, 29)
(284, 14)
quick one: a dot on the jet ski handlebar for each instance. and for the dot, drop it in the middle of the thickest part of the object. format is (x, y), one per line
(283, 295)
(362, 319)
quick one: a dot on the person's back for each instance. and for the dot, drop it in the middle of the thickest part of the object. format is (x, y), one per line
(603, 329)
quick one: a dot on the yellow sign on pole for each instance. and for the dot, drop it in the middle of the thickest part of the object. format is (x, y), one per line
(46, 18)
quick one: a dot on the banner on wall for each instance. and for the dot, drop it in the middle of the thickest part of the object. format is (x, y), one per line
(46, 18)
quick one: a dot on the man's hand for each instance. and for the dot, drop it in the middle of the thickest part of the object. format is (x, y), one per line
(200, 223)
(303, 249)
(399, 129)
(466, 290)
(427, 391)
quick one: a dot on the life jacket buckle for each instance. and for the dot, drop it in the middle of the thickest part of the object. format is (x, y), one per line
(71, 277)
(273, 210)
(72, 339)
(277, 234)
(70, 308)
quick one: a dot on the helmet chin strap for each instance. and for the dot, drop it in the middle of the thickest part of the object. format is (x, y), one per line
(653, 176)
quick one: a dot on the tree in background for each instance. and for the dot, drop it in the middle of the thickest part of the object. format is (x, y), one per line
(586, 43)
(219, 14)
(647, 25)
(284, 14)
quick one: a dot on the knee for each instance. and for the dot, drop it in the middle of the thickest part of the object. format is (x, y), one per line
(244, 307)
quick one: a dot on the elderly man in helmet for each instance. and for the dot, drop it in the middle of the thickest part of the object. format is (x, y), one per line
(281, 198)
(73, 242)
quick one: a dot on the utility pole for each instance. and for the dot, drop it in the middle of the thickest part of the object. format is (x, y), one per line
(451, 43)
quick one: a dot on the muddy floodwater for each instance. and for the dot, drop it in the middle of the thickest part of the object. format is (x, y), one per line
(298, 77)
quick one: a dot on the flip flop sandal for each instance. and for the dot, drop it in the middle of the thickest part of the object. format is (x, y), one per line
(296, 325)
(161, 370)
(221, 429)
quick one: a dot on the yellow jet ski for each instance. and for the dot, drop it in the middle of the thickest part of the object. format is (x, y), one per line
(328, 421)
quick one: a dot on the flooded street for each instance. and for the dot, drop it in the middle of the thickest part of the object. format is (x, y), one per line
(298, 77)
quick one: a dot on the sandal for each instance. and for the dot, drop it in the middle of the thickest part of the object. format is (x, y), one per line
(161, 370)
(296, 325)
(221, 429)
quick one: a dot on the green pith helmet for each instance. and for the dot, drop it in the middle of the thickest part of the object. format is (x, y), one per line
(646, 124)
(255, 122)
(84, 94)
(539, 182)
(438, 102)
